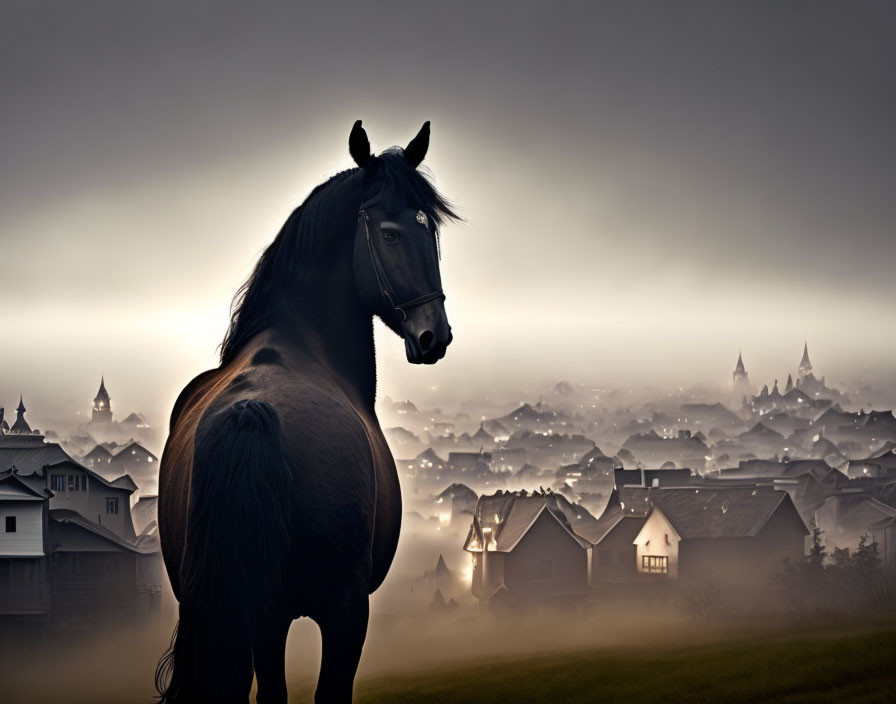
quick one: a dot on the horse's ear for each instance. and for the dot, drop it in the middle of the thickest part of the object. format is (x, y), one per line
(416, 149)
(359, 145)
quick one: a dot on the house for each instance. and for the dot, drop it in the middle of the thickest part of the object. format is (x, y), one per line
(613, 555)
(741, 535)
(99, 456)
(457, 502)
(98, 579)
(70, 559)
(525, 553)
(107, 503)
(652, 449)
(24, 590)
(846, 516)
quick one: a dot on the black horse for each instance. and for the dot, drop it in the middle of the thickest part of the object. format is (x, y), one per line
(278, 495)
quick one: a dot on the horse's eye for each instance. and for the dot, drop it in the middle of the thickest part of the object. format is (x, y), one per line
(390, 236)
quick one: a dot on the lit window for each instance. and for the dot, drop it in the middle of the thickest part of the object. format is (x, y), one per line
(655, 563)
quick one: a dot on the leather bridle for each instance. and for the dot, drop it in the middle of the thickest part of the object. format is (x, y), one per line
(382, 278)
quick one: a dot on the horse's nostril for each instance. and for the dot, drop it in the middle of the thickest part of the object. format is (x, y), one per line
(426, 341)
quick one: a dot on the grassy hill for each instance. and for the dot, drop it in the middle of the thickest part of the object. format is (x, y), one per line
(815, 667)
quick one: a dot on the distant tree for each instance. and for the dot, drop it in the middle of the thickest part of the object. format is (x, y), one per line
(817, 552)
(866, 560)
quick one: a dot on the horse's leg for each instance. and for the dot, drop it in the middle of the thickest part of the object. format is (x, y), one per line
(269, 655)
(343, 630)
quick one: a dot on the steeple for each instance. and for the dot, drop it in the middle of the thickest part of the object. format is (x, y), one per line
(21, 425)
(739, 377)
(789, 386)
(102, 404)
(805, 364)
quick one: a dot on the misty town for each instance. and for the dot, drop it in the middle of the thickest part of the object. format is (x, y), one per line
(582, 500)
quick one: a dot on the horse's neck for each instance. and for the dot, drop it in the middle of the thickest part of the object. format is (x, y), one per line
(340, 339)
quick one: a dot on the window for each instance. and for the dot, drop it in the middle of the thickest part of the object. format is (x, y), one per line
(111, 504)
(604, 558)
(545, 569)
(57, 482)
(10, 524)
(658, 564)
(77, 482)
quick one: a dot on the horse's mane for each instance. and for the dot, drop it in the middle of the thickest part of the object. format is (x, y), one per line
(284, 264)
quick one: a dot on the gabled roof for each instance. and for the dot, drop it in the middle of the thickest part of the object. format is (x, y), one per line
(720, 513)
(29, 457)
(131, 445)
(98, 452)
(500, 521)
(760, 430)
(430, 456)
(482, 435)
(458, 491)
(16, 486)
(67, 516)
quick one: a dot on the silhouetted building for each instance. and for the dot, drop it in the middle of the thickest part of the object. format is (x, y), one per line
(740, 380)
(102, 405)
(805, 365)
(525, 553)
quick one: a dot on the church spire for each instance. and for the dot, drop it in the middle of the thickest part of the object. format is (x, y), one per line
(805, 364)
(739, 377)
(102, 404)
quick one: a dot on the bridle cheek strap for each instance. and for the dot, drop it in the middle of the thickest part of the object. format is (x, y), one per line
(382, 279)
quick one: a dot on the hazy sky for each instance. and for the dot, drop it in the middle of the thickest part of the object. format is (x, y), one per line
(647, 187)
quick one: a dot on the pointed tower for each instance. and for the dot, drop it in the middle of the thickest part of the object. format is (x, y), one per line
(21, 425)
(102, 405)
(740, 380)
(805, 364)
(789, 387)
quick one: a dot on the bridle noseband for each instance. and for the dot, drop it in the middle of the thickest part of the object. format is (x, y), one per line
(382, 279)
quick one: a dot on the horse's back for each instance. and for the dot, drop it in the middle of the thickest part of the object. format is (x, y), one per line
(337, 458)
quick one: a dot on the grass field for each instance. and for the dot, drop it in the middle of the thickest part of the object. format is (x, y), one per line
(852, 666)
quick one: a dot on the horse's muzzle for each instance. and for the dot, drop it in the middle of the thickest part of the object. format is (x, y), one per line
(427, 333)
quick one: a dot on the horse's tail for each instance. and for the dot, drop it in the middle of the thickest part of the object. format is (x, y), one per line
(236, 542)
